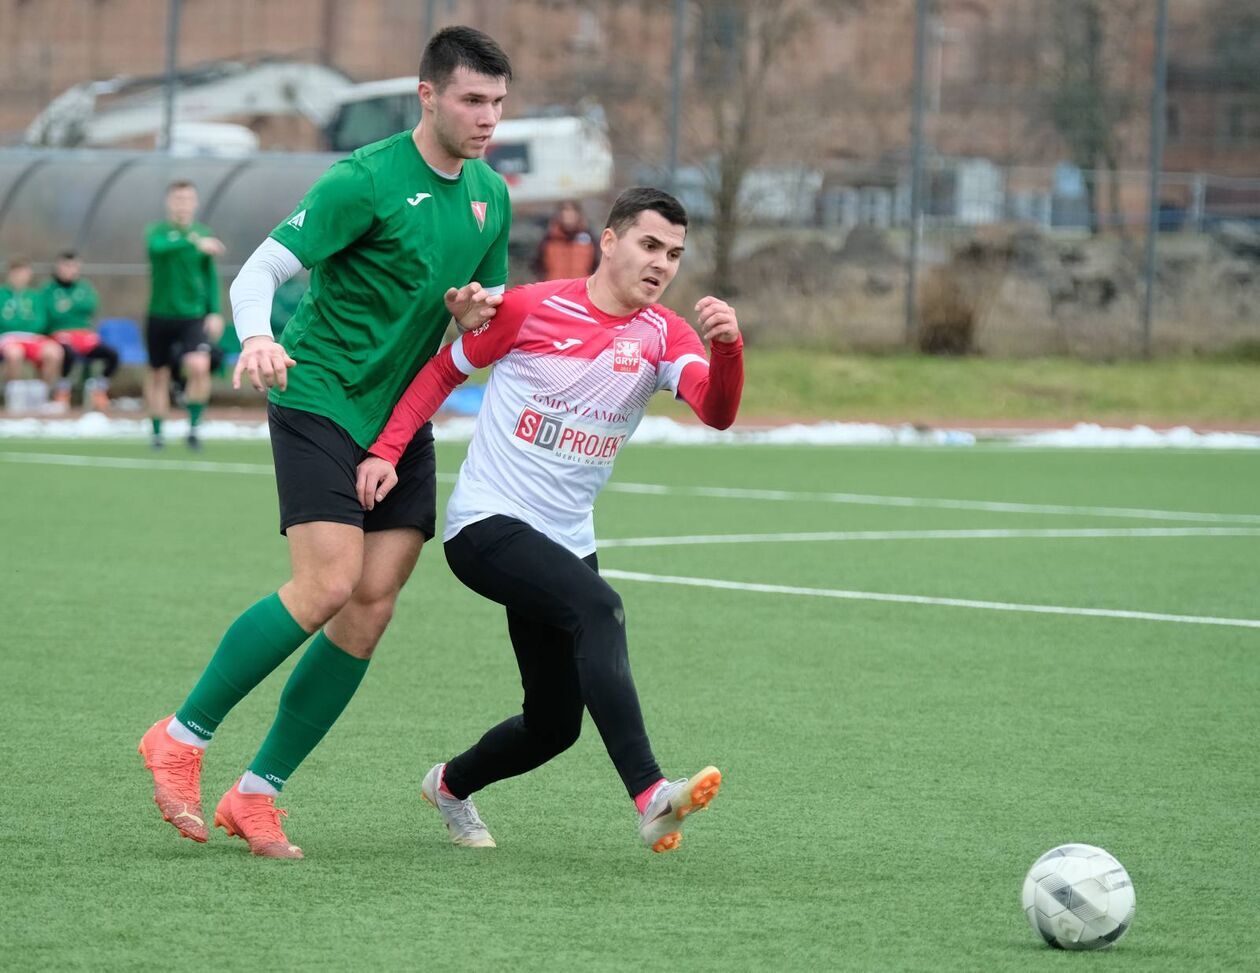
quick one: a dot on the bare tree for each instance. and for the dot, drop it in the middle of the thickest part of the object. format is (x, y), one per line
(739, 48)
(740, 104)
(1086, 105)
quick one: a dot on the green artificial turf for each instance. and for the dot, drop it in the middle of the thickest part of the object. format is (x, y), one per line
(891, 769)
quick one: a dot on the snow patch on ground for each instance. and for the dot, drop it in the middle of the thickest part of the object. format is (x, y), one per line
(656, 429)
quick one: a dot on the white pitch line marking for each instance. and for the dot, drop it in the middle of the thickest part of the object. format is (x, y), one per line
(919, 535)
(993, 506)
(129, 463)
(778, 589)
(660, 489)
(169, 465)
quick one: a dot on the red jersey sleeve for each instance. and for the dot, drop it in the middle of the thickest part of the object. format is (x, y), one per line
(446, 370)
(711, 386)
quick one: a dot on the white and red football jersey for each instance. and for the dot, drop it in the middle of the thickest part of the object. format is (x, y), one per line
(569, 386)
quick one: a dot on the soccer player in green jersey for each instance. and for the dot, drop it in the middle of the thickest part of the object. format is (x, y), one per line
(71, 301)
(404, 235)
(184, 320)
(24, 328)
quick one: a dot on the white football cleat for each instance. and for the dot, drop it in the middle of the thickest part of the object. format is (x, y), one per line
(660, 826)
(461, 817)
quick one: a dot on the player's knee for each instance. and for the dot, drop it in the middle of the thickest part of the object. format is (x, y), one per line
(197, 364)
(375, 613)
(13, 353)
(52, 353)
(557, 730)
(603, 608)
(327, 594)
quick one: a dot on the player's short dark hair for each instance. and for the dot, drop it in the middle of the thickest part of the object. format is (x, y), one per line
(454, 47)
(17, 262)
(180, 184)
(68, 255)
(634, 201)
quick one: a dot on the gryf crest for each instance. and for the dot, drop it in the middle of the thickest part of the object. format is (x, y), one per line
(479, 211)
(626, 354)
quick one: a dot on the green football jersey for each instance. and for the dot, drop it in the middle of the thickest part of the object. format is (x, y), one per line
(69, 306)
(185, 282)
(22, 311)
(384, 237)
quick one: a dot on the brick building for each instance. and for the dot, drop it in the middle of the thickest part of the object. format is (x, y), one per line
(991, 64)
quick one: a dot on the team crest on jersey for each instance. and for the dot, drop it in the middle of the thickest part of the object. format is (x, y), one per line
(627, 353)
(479, 211)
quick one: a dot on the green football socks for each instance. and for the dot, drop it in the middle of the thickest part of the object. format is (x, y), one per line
(194, 414)
(258, 641)
(157, 425)
(320, 687)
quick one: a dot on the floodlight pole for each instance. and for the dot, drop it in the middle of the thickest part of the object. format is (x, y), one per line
(173, 10)
(675, 92)
(916, 168)
(1156, 166)
(430, 14)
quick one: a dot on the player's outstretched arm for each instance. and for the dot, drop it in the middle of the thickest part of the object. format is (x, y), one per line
(714, 392)
(471, 306)
(376, 478)
(262, 358)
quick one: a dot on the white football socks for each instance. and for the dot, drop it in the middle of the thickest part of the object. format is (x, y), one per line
(177, 731)
(251, 783)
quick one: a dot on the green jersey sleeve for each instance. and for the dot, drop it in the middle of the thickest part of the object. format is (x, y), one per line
(493, 269)
(333, 214)
(212, 287)
(159, 240)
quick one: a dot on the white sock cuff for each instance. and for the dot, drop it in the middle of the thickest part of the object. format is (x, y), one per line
(177, 731)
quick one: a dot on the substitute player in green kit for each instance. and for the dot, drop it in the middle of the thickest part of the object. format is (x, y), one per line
(402, 236)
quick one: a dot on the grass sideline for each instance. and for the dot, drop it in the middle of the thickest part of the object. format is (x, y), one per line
(891, 770)
(787, 384)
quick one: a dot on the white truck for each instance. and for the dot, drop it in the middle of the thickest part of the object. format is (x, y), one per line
(544, 159)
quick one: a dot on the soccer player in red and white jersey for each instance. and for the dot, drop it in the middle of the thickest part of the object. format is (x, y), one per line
(575, 363)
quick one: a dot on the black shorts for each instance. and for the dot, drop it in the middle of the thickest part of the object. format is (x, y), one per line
(316, 467)
(170, 339)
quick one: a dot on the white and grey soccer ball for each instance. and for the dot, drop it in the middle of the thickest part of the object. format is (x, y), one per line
(1078, 897)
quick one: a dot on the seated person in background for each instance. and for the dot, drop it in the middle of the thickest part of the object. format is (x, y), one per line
(70, 301)
(568, 249)
(24, 331)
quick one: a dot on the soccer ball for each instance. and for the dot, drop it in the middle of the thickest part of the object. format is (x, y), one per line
(1078, 897)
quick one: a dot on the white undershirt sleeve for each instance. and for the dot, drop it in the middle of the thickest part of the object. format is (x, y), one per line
(255, 287)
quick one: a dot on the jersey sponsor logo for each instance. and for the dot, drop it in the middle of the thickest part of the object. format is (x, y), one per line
(569, 441)
(627, 353)
(297, 220)
(418, 198)
(567, 343)
(479, 211)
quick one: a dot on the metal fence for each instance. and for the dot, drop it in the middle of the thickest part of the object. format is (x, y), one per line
(789, 132)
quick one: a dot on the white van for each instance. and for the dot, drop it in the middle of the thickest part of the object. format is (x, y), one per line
(544, 159)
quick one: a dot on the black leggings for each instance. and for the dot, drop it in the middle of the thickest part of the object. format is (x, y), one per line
(101, 353)
(568, 629)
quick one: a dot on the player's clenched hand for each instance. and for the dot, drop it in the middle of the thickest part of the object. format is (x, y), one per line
(209, 245)
(376, 478)
(717, 320)
(265, 361)
(471, 305)
(214, 326)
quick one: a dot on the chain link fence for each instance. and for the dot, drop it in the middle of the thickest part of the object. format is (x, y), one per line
(786, 129)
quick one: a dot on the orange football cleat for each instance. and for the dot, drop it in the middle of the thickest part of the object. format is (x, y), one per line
(176, 771)
(255, 818)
